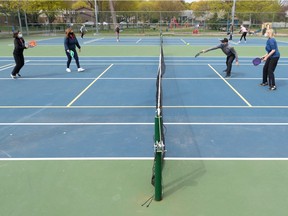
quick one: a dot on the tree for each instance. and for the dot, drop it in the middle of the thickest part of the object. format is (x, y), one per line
(35, 7)
(258, 11)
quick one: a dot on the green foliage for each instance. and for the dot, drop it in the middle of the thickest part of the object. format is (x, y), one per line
(34, 8)
(255, 11)
(251, 6)
(80, 4)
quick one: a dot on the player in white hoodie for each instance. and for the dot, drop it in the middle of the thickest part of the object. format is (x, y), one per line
(244, 31)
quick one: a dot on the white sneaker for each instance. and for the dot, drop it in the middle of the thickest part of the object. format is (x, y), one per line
(81, 69)
(68, 70)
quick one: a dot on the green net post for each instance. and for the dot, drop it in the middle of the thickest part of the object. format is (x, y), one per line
(159, 150)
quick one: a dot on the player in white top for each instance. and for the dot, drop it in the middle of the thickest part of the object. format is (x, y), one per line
(244, 31)
(83, 30)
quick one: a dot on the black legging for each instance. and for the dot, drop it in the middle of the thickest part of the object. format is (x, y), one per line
(268, 70)
(229, 61)
(243, 36)
(19, 60)
(70, 58)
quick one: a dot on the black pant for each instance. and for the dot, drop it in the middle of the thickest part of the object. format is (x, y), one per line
(19, 61)
(268, 70)
(243, 36)
(229, 61)
(70, 58)
(231, 35)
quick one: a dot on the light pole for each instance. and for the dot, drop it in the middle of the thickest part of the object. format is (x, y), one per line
(19, 20)
(233, 12)
(96, 16)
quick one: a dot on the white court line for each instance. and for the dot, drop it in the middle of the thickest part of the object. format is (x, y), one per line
(230, 86)
(138, 41)
(279, 41)
(10, 66)
(143, 123)
(92, 60)
(78, 159)
(184, 41)
(141, 159)
(47, 39)
(91, 41)
(4, 67)
(225, 159)
(87, 78)
(143, 107)
(229, 123)
(78, 107)
(235, 43)
(106, 78)
(73, 124)
(79, 95)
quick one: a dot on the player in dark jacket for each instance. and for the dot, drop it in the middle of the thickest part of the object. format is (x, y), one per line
(70, 43)
(229, 51)
(117, 31)
(19, 46)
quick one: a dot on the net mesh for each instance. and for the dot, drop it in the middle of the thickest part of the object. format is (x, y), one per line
(161, 72)
(159, 145)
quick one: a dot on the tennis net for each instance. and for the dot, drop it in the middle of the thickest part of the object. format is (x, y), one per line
(159, 139)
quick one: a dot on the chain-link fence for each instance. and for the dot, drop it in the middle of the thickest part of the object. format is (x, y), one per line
(140, 22)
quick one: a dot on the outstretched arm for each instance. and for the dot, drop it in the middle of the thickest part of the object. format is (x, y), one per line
(210, 49)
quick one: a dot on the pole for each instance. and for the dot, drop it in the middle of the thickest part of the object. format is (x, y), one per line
(160, 22)
(159, 150)
(26, 23)
(233, 12)
(96, 16)
(19, 19)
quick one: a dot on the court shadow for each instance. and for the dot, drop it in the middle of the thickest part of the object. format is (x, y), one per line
(181, 174)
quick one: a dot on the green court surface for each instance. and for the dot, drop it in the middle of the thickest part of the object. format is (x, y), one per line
(202, 188)
(129, 50)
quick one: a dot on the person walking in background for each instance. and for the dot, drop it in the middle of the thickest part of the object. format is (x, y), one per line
(230, 33)
(19, 46)
(117, 31)
(244, 31)
(83, 30)
(271, 60)
(70, 43)
(229, 51)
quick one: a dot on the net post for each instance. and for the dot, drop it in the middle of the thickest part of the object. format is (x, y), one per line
(159, 150)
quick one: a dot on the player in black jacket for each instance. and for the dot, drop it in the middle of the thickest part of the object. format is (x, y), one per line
(19, 46)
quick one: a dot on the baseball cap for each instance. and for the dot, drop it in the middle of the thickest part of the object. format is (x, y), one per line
(224, 40)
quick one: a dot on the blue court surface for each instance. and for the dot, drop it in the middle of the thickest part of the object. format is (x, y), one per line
(108, 110)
